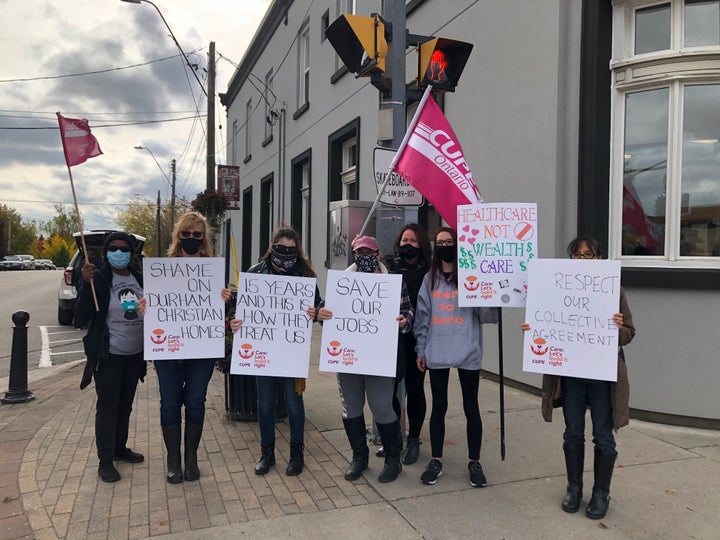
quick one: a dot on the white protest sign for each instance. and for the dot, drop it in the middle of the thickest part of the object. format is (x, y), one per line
(185, 314)
(274, 339)
(569, 308)
(362, 336)
(495, 243)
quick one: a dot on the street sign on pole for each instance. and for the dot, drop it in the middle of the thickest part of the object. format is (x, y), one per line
(397, 192)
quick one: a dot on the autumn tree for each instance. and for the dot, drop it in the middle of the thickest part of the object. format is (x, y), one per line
(58, 250)
(140, 217)
(16, 236)
(64, 224)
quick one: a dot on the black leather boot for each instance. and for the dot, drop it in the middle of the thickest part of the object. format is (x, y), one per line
(267, 459)
(413, 451)
(392, 442)
(193, 433)
(355, 430)
(574, 461)
(297, 461)
(603, 468)
(171, 436)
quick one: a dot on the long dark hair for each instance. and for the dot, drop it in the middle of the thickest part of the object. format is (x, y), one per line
(423, 242)
(593, 245)
(436, 271)
(304, 266)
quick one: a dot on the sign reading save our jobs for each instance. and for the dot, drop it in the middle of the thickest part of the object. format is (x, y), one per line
(397, 191)
(185, 314)
(274, 339)
(495, 243)
(569, 308)
(362, 336)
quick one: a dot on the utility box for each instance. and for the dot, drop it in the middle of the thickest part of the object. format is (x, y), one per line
(345, 221)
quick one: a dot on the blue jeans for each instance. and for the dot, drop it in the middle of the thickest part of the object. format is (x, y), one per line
(267, 388)
(183, 382)
(577, 394)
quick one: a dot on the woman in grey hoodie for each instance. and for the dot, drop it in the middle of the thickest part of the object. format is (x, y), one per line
(449, 336)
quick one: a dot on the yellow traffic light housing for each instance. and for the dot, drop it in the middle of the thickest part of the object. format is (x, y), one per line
(441, 62)
(360, 43)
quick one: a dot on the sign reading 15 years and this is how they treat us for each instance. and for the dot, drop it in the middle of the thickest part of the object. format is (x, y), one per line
(569, 308)
(185, 314)
(495, 243)
(274, 339)
(362, 336)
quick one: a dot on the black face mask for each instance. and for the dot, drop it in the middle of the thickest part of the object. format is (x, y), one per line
(408, 251)
(446, 253)
(191, 245)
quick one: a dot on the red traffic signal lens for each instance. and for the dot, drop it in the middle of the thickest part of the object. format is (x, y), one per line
(436, 71)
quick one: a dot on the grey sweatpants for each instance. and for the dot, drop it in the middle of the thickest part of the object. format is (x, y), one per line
(379, 390)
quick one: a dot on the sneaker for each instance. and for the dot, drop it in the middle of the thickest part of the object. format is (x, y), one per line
(433, 471)
(477, 477)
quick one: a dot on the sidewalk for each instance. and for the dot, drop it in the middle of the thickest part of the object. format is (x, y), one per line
(665, 484)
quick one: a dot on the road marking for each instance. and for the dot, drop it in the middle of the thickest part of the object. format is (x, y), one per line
(45, 360)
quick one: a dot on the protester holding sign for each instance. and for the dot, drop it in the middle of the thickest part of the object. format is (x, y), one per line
(608, 402)
(411, 259)
(449, 336)
(185, 382)
(284, 257)
(114, 348)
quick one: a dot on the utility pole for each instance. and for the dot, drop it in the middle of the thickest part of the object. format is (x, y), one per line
(211, 118)
(172, 196)
(157, 218)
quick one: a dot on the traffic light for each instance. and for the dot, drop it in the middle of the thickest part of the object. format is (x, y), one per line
(441, 62)
(360, 43)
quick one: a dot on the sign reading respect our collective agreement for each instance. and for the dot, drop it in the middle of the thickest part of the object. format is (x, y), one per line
(274, 339)
(362, 336)
(185, 314)
(570, 306)
(496, 241)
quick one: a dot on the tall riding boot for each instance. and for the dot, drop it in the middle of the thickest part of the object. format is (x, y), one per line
(574, 462)
(171, 436)
(267, 459)
(392, 442)
(297, 460)
(604, 464)
(193, 433)
(355, 430)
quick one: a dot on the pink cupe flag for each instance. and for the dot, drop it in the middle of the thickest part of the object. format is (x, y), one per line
(79, 144)
(431, 160)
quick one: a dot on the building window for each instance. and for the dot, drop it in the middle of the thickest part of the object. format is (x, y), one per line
(303, 82)
(344, 166)
(248, 116)
(233, 148)
(665, 170)
(266, 213)
(324, 23)
(300, 204)
(349, 168)
(269, 113)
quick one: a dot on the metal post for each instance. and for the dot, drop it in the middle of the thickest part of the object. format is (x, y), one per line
(18, 384)
(172, 196)
(157, 217)
(211, 118)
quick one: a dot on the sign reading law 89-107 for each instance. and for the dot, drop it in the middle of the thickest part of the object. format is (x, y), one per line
(496, 241)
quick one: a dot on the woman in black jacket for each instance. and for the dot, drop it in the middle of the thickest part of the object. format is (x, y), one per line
(114, 348)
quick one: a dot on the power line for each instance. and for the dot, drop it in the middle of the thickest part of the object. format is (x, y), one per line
(109, 125)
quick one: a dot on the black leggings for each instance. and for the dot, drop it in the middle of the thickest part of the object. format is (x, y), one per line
(469, 383)
(415, 390)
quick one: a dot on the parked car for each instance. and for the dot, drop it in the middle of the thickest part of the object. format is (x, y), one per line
(44, 264)
(28, 262)
(11, 262)
(72, 280)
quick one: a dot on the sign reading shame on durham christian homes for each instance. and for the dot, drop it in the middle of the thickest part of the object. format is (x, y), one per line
(362, 336)
(185, 314)
(495, 243)
(570, 306)
(274, 339)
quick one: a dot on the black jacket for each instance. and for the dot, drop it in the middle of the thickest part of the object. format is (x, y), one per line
(96, 339)
(264, 268)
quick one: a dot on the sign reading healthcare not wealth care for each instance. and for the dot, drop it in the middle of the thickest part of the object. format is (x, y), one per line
(185, 314)
(362, 336)
(496, 241)
(274, 339)
(570, 306)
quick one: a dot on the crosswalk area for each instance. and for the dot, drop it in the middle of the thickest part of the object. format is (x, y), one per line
(59, 344)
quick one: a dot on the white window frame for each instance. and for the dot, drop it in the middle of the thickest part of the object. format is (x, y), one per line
(234, 148)
(303, 71)
(268, 95)
(348, 174)
(248, 133)
(673, 69)
(305, 207)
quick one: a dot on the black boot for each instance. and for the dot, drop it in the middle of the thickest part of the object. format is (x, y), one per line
(267, 459)
(574, 460)
(413, 451)
(297, 461)
(171, 436)
(603, 467)
(392, 442)
(355, 430)
(193, 433)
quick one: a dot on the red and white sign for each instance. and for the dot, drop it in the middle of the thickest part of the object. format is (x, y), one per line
(229, 185)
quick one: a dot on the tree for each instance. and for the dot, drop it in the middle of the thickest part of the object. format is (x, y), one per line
(58, 250)
(140, 217)
(15, 236)
(64, 224)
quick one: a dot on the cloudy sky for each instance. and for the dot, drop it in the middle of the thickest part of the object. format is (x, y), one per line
(46, 40)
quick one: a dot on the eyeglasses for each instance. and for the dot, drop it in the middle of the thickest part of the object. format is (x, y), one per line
(124, 249)
(195, 234)
(584, 255)
(444, 242)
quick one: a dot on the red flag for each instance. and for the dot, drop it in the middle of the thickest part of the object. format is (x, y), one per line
(431, 160)
(78, 143)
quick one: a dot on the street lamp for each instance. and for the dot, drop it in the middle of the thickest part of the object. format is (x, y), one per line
(192, 69)
(172, 183)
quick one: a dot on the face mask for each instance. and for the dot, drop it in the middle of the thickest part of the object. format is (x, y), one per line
(366, 263)
(282, 265)
(118, 259)
(408, 251)
(128, 306)
(191, 245)
(446, 253)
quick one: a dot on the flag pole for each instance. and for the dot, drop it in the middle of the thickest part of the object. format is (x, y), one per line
(396, 157)
(501, 377)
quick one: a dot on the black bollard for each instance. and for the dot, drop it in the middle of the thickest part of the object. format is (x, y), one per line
(18, 385)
